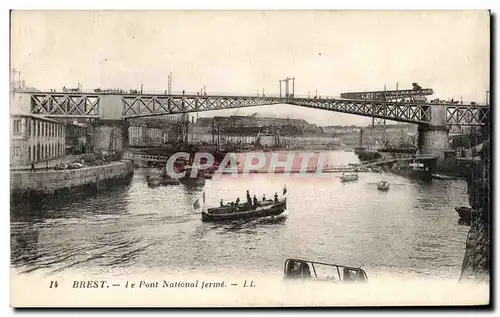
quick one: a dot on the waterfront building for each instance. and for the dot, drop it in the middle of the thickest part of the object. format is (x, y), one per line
(135, 135)
(76, 138)
(154, 136)
(142, 135)
(35, 139)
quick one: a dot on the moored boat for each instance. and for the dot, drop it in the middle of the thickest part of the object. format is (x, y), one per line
(198, 178)
(349, 178)
(465, 213)
(383, 186)
(304, 269)
(153, 181)
(245, 211)
(169, 181)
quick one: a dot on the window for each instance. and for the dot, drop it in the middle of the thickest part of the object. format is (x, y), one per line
(17, 151)
(17, 126)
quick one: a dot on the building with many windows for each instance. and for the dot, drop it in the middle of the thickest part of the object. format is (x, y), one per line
(143, 135)
(35, 139)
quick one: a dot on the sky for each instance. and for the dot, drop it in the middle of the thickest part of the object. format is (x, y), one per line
(240, 52)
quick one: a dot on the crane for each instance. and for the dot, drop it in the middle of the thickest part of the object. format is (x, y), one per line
(416, 91)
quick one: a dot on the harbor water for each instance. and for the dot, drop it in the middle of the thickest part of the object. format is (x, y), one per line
(412, 229)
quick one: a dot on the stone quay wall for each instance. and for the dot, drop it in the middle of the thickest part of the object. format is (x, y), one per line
(27, 184)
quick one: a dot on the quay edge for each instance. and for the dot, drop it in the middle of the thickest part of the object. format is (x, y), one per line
(28, 187)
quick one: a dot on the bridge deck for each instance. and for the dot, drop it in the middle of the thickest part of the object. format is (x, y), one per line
(72, 105)
(403, 159)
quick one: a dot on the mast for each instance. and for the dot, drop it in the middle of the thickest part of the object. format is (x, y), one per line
(361, 137)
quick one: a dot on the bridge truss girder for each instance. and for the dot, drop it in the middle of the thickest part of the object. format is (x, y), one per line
(79, 105)
(403, 112)
(467, 115)
(144, 106)
(65, 105)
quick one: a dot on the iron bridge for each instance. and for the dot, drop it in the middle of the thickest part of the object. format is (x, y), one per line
(81, 105)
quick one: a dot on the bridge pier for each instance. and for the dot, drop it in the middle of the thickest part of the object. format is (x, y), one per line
(433, 137)
(433, 140)
(110, 136)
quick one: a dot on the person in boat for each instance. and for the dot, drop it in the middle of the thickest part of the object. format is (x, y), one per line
(264, 197)
(222, 203)
(249, 198)
(237, 202)
(255, 201)
(276, 197)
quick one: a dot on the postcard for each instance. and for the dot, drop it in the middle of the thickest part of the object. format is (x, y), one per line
(250, 158)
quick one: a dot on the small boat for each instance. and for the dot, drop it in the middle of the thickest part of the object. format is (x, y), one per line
(304, 269)
(157, 180)
(208, 176)
(465, 213)
(383, 185)
(245, 211)
(153, 181)
(349, 178)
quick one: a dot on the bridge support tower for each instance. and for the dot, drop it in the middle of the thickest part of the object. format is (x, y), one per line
(110, 136)
(433, 137)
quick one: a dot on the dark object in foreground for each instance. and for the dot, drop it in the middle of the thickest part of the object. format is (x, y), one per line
(465, 213)
(303, 269)
(245, 211)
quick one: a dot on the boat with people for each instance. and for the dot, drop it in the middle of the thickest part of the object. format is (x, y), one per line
(253, 208)
(383, 186)
(319, 271)
(348, 177)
